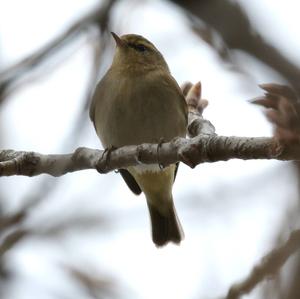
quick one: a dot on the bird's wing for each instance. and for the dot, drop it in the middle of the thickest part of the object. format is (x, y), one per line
(130, 181)
(92, 108)
(97, 96)
(128, 178)
(176, 170)
(100, 93)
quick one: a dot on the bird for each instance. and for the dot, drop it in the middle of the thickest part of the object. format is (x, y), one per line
(138, 101)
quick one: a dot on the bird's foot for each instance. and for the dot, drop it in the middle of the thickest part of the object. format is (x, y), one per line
(159, 145)
(104, 160)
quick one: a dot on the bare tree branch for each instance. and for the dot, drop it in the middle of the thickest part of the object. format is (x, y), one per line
(12, 239)
(205, 147)
(192, 152)
(93, 283)
(236, 32)
(11, 76)
(269, 266)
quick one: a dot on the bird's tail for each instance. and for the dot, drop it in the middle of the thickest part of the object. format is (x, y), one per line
(165, 226)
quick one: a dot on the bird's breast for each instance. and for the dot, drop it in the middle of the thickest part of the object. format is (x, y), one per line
(136, 110)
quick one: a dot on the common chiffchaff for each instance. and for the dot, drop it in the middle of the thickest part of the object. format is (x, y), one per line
(138, 101)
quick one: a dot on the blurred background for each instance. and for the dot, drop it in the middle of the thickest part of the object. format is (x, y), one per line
(85, 235)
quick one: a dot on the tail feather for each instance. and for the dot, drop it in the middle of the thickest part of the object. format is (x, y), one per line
(165, 226)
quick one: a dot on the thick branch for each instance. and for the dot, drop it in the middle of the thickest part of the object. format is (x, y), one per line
(203, 148)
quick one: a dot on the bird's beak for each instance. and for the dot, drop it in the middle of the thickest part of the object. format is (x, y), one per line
(119, 41)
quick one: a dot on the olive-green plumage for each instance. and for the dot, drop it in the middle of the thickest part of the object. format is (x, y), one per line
(138, 101)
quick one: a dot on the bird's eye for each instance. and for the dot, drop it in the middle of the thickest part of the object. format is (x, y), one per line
(140, 48)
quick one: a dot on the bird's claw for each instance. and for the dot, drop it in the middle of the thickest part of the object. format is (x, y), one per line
(104, 160)
(160, 165)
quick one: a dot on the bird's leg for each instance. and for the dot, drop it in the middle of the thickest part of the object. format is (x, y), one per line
(161, 141)
(103, 161)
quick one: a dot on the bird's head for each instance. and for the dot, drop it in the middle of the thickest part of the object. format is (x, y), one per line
(137, 52)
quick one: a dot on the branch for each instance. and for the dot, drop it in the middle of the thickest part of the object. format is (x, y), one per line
(191, 152)
(205, 146)
(234, 29)
(9, 77)
(269, 266)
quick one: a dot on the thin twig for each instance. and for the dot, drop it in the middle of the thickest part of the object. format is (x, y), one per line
(9, 77)
(268, 267)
